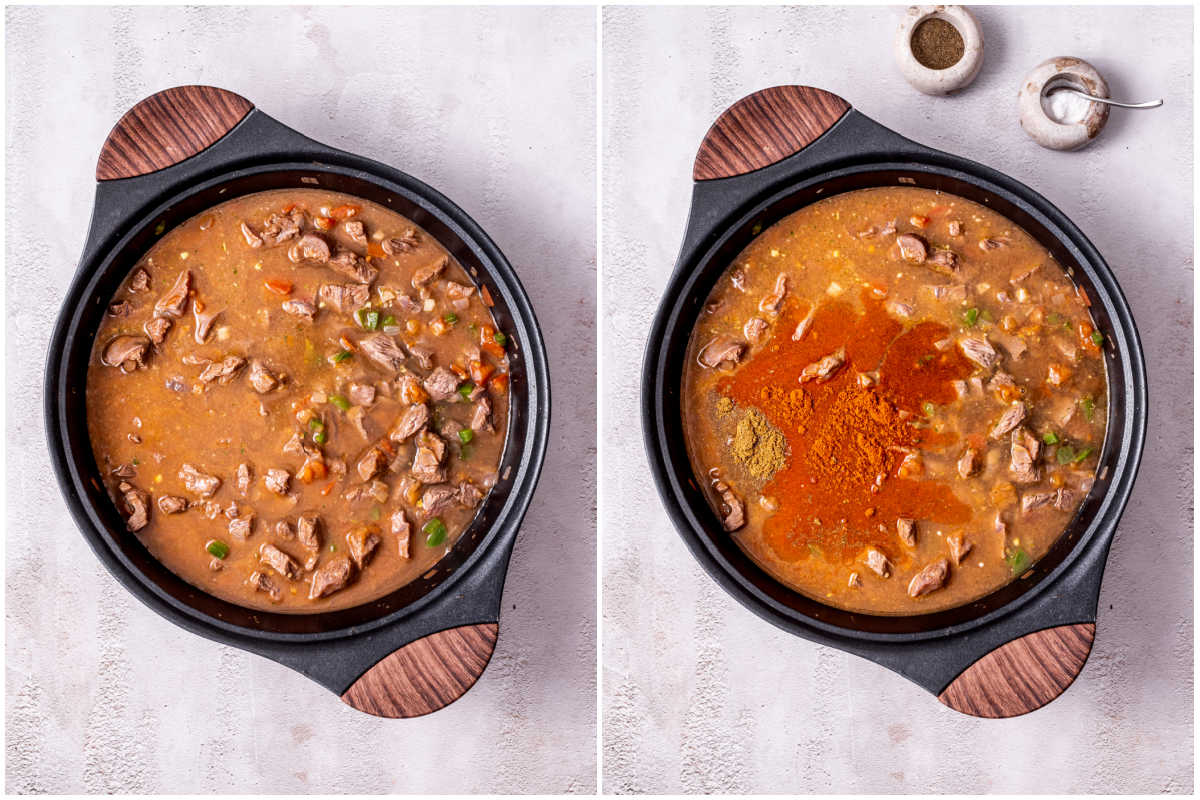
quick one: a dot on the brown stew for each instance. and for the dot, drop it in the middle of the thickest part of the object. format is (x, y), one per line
(895, 400)
(298, 400)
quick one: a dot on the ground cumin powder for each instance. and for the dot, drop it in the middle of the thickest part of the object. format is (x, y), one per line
(759, 445)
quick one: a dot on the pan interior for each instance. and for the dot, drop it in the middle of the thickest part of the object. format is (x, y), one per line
(471, 545)
(738, 566)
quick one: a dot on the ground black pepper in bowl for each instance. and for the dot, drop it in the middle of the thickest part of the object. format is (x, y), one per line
(937, 44)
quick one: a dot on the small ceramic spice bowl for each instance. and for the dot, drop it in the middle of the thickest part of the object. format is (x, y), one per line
(939, 48)
(1063, 120)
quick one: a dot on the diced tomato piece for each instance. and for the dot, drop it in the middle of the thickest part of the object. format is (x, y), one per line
(480, 372)
(459, 370)
(324, 223)
(918, 221)
(278, 286)
(499, 383)
(1085, 330)
(345, 212)
(1058, 374)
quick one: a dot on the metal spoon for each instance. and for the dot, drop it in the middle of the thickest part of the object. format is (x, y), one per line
(1073, 90)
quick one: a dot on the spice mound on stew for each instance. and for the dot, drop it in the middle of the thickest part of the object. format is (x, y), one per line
(298, 400)
(896, 399)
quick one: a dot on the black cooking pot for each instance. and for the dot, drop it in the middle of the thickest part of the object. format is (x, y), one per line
(422, 646)
(1017, 648)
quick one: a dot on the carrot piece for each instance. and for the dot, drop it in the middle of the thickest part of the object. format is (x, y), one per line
(324, 223)
(278, 286)
(375, 250)
(918, 221)
(499, 383)
(480, 372)
(344, 212)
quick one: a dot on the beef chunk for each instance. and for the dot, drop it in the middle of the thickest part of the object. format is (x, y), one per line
(979, 350)
(441, 384)
(279, 561)
(437, 499)
(353, 266)
(242, 528)
(223, 371)
(198, 482)
(300, 308)
(408, 240)
(949, 294)
(878, 563)
(968, 462)
(355, 230)
(284, 530)
(361, 394)
(308, 531)
(424, 275)
(261, 378)
(309, 247)
(279, 228)
(402, 528)
(907, 530)
(954, 228)
(959, 547)
(411, 420)
(459, 295)
(140, 282)
(1023, 453)
(427, 459)
(126, 351)
(373, 462)
(991, 244)
(722, 351)
(898, 309)
(929, 579)
(157, 329)
(330, 578)
(120, 309)
(1037, 499)
(911, 248)
(943, 261)
(124, 471)
(252, 238)
(384, 351)
(136, 504)
(423, 355)
(733, 510)
(243, 478)
(1009, 420)
(770, 304)
(263, 583)
(362, 541)
(407, 304)
(481, 420)
(346, 298)
(755, 329)
(277, 480)
(824, 369)
(468, 495)
(169, 504)
(1063, 499)
(172, 303)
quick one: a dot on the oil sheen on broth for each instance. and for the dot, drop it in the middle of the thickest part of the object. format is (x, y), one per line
(895, 400)
(298, 400)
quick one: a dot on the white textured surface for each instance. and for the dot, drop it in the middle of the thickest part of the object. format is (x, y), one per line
(496, 109)
(700, 695)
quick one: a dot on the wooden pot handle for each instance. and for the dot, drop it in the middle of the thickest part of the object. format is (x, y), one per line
(425, 675)
(1022, 675)
(167, 128)
(764, 128)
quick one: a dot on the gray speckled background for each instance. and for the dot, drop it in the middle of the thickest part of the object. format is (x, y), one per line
(494, 107)
(700, 695)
